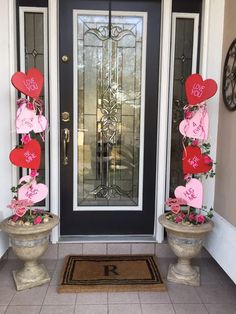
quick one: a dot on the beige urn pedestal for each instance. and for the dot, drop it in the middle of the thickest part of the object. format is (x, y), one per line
(186, 242)
(29, 243)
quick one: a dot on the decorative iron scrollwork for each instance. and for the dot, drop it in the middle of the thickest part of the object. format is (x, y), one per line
(229, 78)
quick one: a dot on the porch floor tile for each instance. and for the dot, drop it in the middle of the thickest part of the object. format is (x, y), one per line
(216, 295)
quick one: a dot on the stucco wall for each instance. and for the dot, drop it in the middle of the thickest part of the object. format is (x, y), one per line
(225, 194)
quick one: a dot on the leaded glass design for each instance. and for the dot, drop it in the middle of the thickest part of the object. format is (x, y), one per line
(182, 69)
(34, 41)
(109, 109)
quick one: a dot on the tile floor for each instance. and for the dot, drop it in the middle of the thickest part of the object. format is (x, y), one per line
(217, 294)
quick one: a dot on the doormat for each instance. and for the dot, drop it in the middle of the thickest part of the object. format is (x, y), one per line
(110, 273)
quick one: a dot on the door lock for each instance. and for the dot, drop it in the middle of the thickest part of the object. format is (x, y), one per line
(65, 116)
(65, 59)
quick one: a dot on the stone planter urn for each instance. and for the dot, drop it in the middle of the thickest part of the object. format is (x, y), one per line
(29, 243)
(186, 242)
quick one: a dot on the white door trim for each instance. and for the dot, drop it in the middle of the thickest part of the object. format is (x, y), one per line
(53, 53)
(162, 128)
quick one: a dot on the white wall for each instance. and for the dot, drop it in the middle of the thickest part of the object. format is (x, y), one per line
(5, 123)
(221, 243)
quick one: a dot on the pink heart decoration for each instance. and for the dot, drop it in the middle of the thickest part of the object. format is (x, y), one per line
(29, 84)
(25, 119)
(197, 126)
(40, 124)
(192, 193)
(198, 90)
(33, 192)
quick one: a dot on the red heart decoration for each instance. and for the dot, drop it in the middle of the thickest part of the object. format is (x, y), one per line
(29, 84)
(194, 161)
(29, 156)
(198, 90)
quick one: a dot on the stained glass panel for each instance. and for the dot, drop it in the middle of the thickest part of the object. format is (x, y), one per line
(109, 115)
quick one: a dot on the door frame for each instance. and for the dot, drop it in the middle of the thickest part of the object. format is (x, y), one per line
(210, 63)
(206, 65)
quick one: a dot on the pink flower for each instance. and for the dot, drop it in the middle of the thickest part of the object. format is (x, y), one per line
(187, 176)
(175, 208)
(25, 139)
(191, 217)
(34, 173)
(188, 114)
(15, 218)
(208, 160)
(37, 220)
(200, 219)
(178, 219)
(195, 142)
(20, 211)
(30, 106)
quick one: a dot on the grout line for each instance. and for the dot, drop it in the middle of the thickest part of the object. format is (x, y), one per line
(44, 297)
(206, 308)
(10, 300)
(76, 298)
(140, 302)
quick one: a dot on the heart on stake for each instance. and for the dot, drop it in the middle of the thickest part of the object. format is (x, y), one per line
(197, 126)
(40, 123)
(29, 84)
(29, 156)
(24, 119)
(198, 90)
(192, 193)
(33, 192)
(194, 161)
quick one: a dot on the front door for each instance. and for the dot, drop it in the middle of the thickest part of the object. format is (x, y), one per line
(109, 103)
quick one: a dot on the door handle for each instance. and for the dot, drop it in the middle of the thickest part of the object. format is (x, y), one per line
(66, 141)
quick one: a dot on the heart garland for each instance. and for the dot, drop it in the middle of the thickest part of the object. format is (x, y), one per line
(29, 84)
(198, 90)
(194, 161)
(29, 156)
(27, 120)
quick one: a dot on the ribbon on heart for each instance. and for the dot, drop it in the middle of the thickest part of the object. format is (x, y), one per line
(29, 156)
(197, 126)
(194, 161)
(27, 120)
(29, 84)
(192, 193)
(198, 90)
(34, 192)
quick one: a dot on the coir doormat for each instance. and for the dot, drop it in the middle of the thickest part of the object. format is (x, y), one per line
(111, 273)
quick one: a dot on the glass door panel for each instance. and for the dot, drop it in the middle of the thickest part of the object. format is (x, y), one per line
(109, 100)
